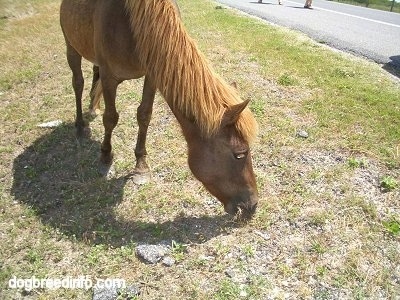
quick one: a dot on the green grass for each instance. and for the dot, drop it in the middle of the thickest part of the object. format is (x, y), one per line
(375, 4)
(326, 202)
(356, 163)
(388, 183)
(392, 226)
(350, 96)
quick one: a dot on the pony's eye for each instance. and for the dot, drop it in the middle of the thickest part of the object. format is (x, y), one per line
(241, 155)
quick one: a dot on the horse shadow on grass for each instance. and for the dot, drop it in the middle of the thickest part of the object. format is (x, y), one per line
(57, 177)
(393, 66)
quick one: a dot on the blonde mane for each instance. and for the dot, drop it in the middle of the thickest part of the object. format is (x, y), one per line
(180, 71)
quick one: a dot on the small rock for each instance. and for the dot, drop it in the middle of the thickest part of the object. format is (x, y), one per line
(236, 276)
(130, 292)
(243, 294)
(285, 283)
(208, 258)
(230, 273)
(302, 134)
(168, 261)
(151, 253)
(265, 236)
(50, 124)
(212, 202)
(104, 294)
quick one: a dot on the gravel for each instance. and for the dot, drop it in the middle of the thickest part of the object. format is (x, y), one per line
(152, 254)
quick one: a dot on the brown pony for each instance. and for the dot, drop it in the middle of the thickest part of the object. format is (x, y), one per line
(128, 39)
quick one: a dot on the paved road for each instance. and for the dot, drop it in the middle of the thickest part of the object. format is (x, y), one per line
(369, 33)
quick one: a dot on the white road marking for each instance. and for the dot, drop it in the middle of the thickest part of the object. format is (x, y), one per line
(349, 15)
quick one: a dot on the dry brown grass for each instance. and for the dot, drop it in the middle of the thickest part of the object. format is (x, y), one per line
(325, 229)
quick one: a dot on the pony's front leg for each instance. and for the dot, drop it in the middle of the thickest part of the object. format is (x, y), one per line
(141, 173)
(110, 118)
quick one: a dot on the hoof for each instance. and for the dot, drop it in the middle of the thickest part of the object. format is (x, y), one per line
(140, 178)
(94, 112)
(106, 158)
(83, 132)
(106, 170)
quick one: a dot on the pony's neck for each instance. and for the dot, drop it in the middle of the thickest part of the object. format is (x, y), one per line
(178, 69)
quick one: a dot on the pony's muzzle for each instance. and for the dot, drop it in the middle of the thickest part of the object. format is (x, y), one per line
(240, 210)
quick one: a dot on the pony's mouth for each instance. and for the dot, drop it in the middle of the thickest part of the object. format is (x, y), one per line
(241, 212)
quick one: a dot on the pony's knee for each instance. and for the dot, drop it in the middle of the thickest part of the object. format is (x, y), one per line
(78, 82)
(143, 116)
(110, 120)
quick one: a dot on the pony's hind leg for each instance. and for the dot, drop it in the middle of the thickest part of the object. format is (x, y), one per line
(94, 102)
(75, 63)
(141, 173)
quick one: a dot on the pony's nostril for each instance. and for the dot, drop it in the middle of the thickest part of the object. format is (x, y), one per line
(246, 212)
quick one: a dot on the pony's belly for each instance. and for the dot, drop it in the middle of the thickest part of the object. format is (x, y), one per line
(122, 67)
(86, 50)
(77, 25)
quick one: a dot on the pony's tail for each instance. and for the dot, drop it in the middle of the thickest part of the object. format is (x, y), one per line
(95, 97)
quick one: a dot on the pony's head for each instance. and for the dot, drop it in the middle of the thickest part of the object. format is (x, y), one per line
(217, 125)
(222, 162)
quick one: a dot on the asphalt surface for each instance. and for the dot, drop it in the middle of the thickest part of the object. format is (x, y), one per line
(369, 33)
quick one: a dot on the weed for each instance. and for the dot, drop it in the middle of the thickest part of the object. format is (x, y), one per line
(392, 226)
(222, 249)
(285, 269)
(248, 250)
(6, 273)
(322, 294)
(359, 294)
(344, 73)
(31, 172)
(33, 257)
(257, 287)
(126, 251)
(356, 163)
(178, 250)
(367, 207)
(157, 230)
(228, 290)
(287, 80)
(95, 254)
(321, 270)
(388, 183)
(6, 149)
(317, 247)
(257, 106)
(125, 294)
(319, 218)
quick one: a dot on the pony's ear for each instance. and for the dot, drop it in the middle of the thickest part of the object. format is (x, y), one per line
(234, 84)
(233, 112)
